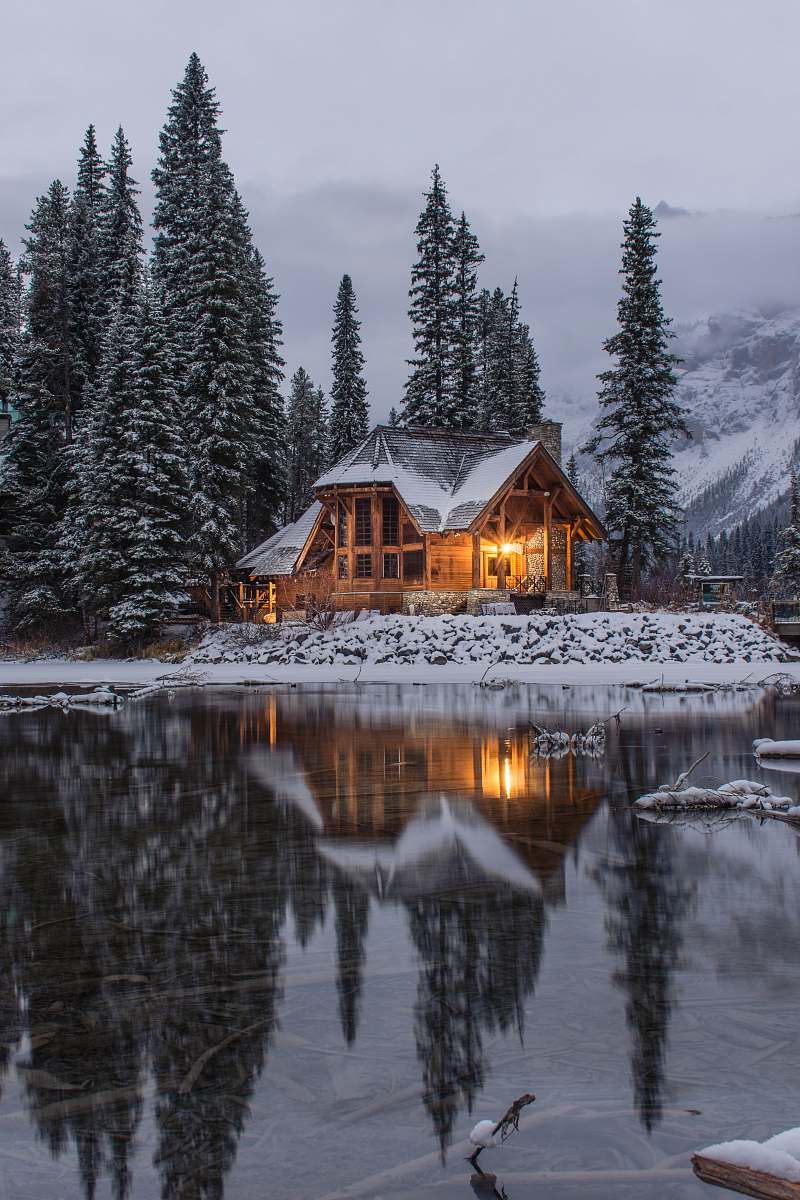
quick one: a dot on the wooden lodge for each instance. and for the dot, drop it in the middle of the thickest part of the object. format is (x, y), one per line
(427, 521)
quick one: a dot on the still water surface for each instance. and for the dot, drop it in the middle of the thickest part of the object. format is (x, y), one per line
(284, 943)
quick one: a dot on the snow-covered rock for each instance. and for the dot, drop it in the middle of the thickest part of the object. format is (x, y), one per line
(778, 1156)
(586, 638)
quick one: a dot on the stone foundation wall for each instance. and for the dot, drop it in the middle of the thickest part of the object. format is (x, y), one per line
(430, 603)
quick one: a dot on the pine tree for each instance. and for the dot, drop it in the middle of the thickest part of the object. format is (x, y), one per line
(511, 394)
(429, 399)
(94, 535)
(153, 460)
(787, 565)
(393, 419)
(221, 311)
(349, 421)
(190, 146)
(32, 486)
(530, 403)
(85, 280)
(120, 227)
(641, 416)
(9, 325)
(219, 387)
(267, 467)
(307, 441)
(467, 256)
(579, 565)
(483, 356)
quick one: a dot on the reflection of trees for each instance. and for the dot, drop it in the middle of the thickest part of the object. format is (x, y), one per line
(479, 960)
(647, 907)
(352, 920)
(143, 934)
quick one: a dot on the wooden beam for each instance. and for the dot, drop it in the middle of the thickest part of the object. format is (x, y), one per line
(476, 560)
(502, 561)
(426, 551)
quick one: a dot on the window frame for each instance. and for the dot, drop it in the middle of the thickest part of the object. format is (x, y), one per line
(395, 556)
(361, 560)
(363, 531)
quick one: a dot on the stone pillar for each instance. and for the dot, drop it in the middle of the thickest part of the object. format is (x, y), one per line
(549, 434)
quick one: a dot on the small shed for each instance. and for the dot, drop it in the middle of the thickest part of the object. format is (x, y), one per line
(716, 591)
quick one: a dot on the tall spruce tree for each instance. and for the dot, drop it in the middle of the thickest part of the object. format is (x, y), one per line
(349, 420)
(32, 485)
(641, 416)
(190, 145)
(511, 395)
(215, 296)
(9, 324)
(120, 227)
(307, 436)
(267, 464)
(788, 559)
(153, 460)
(219, 398)
(579, 556)
(94, 534)
(466, 345)
(429, 398)
(85, 277)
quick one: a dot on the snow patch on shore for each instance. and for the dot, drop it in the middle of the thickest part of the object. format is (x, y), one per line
(535, 640)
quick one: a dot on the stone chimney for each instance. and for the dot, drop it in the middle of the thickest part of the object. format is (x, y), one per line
(549, 434)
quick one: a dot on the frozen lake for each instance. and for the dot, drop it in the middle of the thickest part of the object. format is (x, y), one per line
(292, 943)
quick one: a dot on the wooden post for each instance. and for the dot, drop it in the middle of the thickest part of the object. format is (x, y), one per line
(476, 560)
(426, 552)
(568, 569)
(502, 562)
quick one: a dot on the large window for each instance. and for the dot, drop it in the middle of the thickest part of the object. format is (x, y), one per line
(342, 532)
(391, 566)
(364, 522)
(391, 522)
(409, 533)
(412, 566)
(363, 566)
(342, 566)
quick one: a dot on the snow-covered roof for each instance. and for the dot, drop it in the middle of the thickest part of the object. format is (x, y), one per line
(444, 478)
(279, 553)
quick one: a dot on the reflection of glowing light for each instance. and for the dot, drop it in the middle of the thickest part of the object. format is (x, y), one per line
(507, 548)
(507, 775)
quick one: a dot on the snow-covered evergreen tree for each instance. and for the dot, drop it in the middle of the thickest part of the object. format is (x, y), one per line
(219, 398)
(85, 277)
(511, 394)
(467, 255)
(32, 483)
(9, 324)
(95, 532)
(579, 557)
(190, 145)
(120, 226)
(307, 435)
(267, 465)
(641, 416)
(393, 419)
(429, 398)
(152, 460)
(349, 419)
(787, 564)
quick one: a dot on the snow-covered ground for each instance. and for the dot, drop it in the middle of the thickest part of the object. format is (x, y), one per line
(601, 648)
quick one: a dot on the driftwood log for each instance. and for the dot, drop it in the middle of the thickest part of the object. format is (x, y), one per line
(744, 1179)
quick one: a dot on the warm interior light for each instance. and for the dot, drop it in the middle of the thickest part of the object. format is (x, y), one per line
(507, 548)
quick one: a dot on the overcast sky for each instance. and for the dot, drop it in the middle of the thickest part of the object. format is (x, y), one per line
(546, 116)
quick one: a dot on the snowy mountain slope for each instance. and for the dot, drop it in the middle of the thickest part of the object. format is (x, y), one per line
(740, 385)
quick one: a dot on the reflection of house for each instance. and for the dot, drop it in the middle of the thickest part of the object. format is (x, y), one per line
(446, 847)
(368, 781)
(427, 520)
